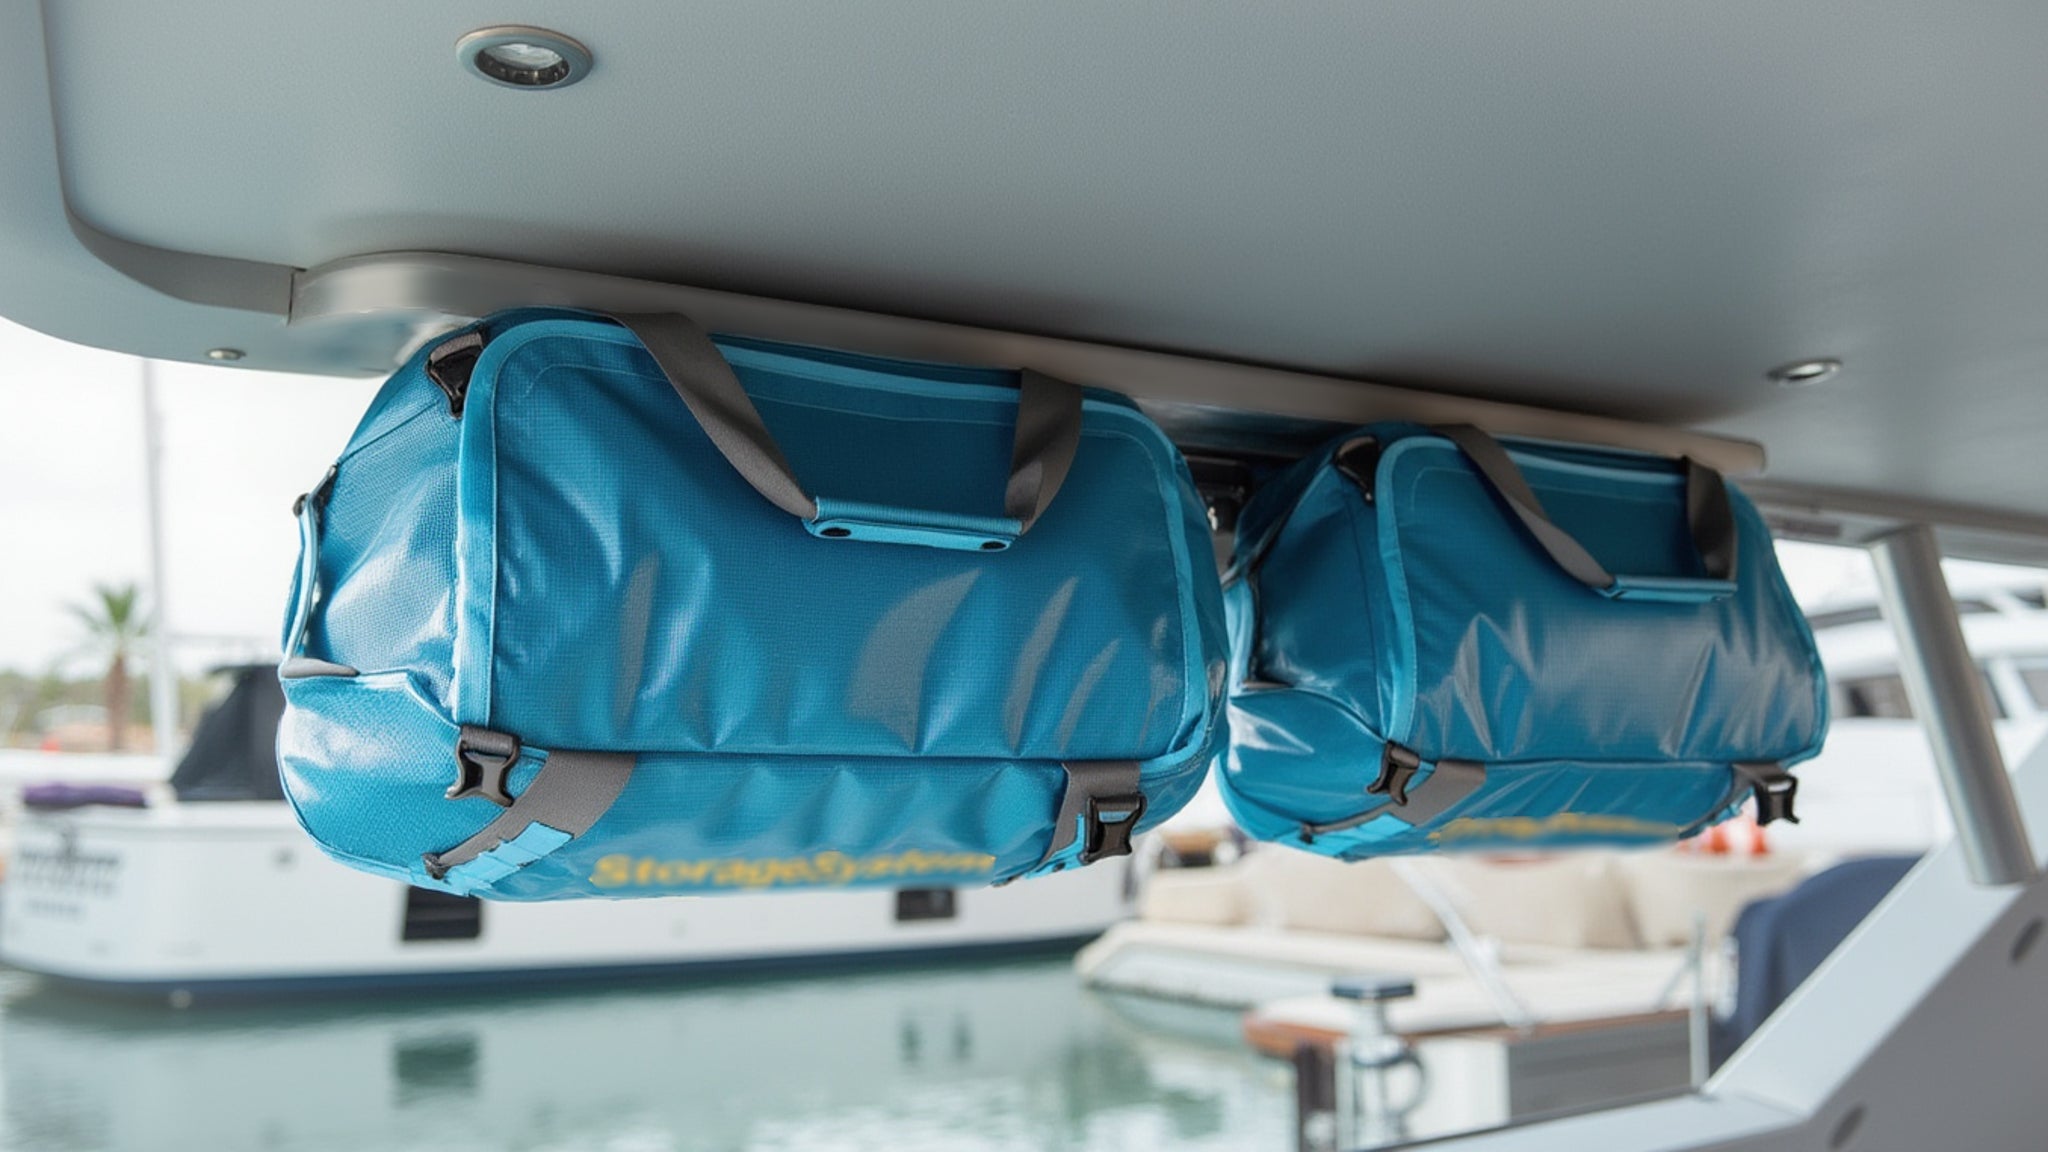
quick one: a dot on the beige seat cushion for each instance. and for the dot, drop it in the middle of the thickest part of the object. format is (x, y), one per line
(1310, 893)
(1569, 900)
(1666, 887)
(1210, 896)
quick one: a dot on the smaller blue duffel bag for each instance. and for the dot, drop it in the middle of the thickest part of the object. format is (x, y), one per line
(1431, 650)
(598, 607)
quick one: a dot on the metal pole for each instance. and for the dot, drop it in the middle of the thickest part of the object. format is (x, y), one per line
(1480, 962)
(1943, 685)
(163, 677)
(1697, 1052)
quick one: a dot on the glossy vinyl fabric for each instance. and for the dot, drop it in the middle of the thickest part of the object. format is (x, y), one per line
(377, 744)
(1427, 617)
(726, 628)
(572, 562)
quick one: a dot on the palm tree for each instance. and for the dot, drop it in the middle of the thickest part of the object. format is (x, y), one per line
(114, 626)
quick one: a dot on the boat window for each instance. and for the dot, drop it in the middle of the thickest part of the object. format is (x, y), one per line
(1884, 697)
(431, 915)
(2034, 673)
(926, 904)
(1876, 697)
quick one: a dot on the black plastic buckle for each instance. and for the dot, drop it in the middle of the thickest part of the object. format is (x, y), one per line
(1107, 825)
(483, 759)
(449, 367)
(1774, 796)
(1398, 766)
(1359, 462)
(318, 496)
(1224, 485)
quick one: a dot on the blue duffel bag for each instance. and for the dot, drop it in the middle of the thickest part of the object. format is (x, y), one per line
(1430, 650)
(569, 620)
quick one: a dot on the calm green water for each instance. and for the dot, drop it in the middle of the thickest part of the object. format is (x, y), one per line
(1012, 1056)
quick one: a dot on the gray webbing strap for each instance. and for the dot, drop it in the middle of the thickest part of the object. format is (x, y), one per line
(1444, 789)
(1048, 434)
(569, 794)
(700, 375)
(1048, 429)
(1446, 786)
(1096, 788)
(1709, 515)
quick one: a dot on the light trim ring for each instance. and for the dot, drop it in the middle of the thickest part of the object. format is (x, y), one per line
(1804, 373)
(523, 57)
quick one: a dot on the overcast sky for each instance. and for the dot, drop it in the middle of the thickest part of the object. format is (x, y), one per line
(238, 445)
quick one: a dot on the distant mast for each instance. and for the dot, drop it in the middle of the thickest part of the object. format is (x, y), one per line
(163, 678)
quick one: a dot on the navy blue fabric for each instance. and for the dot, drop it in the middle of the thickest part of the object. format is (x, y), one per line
(572, 562)
(1781, 940)
(1426, 617)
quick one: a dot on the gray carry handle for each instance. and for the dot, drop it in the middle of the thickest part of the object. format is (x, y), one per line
(1708, 514)
(1042, 450)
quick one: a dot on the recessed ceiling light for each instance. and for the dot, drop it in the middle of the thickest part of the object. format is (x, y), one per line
(223, 353)
(1800, 373)
(517, 56)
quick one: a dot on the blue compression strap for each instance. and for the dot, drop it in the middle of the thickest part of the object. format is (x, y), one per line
(487, 868)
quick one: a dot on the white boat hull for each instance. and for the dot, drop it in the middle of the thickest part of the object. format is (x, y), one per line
(234, 897)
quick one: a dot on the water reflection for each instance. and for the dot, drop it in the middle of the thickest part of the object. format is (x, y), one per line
(1009, 1057)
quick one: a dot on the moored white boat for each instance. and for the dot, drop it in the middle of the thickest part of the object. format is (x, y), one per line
(224, 896)
(232, 897)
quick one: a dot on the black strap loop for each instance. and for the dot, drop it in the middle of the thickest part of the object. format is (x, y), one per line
(450, 364)
(1397, 767)
(483, 760)
(1775, 790)
(1100, 806)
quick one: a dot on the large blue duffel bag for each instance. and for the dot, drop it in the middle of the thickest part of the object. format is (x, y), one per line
(570, 621)
(1431, 650)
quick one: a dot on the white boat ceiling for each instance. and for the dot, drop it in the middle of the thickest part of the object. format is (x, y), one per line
(1594, 206)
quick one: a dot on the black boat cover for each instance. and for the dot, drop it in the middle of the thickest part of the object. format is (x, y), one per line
(233, 755)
